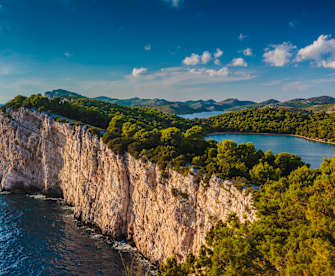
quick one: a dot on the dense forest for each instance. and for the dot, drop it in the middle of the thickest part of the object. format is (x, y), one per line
(295, 230)
(275, 120)
(294, 233)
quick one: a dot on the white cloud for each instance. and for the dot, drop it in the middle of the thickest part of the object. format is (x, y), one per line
(247, 52)
(67, 54)
(138, 71)
(194, 59)
(279, 55)
(242, 36)
(321, 52)
(175, 3)
(218, 53)
(172, 83)
(147, 47)
(206, 57)
(328, 64)
(223, 72)
(239, 62)
(217, 61)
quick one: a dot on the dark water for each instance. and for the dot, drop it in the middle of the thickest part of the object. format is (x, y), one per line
(40, 237)
(310, 151)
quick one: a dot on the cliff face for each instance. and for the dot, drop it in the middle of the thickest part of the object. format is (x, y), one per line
(119, 194)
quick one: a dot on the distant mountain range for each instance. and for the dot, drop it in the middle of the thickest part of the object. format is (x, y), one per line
(177, 107)
(193, 106)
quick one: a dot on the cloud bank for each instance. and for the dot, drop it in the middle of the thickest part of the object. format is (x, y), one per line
(239, 62)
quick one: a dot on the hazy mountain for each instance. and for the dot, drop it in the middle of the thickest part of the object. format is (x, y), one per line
(192, 106)
(301, 103)
(307, 103)
(269, 102)
(62, 93)
(177, 107)
(328, 108)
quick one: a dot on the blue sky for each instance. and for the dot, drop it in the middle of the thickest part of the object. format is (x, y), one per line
(173, 49)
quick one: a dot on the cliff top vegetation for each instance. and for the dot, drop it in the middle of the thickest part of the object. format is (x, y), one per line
(168, 140)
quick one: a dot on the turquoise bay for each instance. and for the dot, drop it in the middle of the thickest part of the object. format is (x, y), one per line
(310, 151)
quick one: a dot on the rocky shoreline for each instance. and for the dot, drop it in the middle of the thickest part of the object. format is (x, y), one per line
(118, 194)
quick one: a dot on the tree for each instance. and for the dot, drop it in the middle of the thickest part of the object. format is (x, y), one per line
(195, 133)
(171, 136)
(263, 172)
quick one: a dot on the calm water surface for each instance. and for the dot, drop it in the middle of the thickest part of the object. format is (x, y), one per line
(310, 151)
(201, 115)
(40, 237)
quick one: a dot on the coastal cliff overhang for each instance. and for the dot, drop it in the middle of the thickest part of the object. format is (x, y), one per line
(164, 213)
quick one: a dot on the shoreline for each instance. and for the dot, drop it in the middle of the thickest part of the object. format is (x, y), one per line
(268, 133)
(94, 232)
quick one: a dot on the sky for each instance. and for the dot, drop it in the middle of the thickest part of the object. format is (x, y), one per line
(172, 49)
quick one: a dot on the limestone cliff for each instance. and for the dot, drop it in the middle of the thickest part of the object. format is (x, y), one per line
(122, 196)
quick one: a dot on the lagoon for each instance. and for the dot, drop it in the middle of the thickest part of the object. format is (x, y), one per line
(310, 151)
(202, 115)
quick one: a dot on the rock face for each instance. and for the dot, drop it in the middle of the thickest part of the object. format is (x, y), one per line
(164, 214)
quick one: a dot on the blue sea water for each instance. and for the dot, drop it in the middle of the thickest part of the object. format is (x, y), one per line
(202, 115)
(41, 237)
(310, 151)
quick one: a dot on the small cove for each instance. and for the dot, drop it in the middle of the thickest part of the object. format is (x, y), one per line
(311, 152)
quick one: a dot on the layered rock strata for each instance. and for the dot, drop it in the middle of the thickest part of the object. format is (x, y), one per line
(164, 214)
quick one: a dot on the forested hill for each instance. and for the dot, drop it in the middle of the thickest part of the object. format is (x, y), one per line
(98, 113)
(318, 125)
(314, 103)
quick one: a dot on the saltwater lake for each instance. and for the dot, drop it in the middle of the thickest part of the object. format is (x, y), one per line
(41, 237)
(201, 115)
(310, 151)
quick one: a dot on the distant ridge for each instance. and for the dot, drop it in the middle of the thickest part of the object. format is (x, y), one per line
(62, 93)
(322, 100)
(193, 106)
(177, 107)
